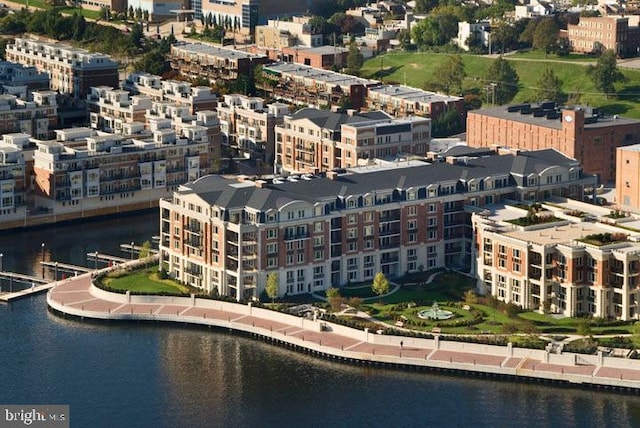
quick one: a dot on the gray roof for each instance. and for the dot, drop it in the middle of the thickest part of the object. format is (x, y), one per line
(331, 120)
(502, 113)
(467, 151)
(230, 194)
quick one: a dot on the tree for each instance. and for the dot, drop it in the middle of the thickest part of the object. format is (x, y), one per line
(504, 36)
(447, 124)
(380, 284)
(470, 297)
(605, 73)
(354, 59)
(545, 36)
(583, 328)
(334, 298)
(435, 29)
(504, 81)
(549, 87)
(273, 286)
(526, 36)
(450, 74)
(635, 337)
(404, 36)
(79, 26)
(145, 250)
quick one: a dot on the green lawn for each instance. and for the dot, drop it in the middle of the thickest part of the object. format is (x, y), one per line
(41, 4)
(538, 54)
(145, 282)
(416, 69)
(91, 14)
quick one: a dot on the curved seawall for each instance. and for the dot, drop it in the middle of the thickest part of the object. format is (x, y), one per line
(80, 298)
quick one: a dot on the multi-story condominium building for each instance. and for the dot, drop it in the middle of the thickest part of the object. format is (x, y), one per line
(13, 177)
(590, 138)
(71, 70)
(109, 108)
(564, 264)
(84, 173)
(278, 34)
(15, 74)
(35, 117)
(116, 111)
(400, 100)
(199, 60)
(245, 15)
(312, 141)
(248, 126)
(226, 236)
(596, 34)
(183, 93)
(310, 86)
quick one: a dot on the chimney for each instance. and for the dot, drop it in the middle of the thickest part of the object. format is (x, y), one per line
(332, 175)
(261, 184)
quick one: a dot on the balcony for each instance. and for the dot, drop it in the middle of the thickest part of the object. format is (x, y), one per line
(295, 236)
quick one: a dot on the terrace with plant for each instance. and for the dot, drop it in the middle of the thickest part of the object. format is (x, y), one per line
(600, 239)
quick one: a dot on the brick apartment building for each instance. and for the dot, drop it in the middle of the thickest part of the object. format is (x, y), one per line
(307, 85)
(566, 266)
(578, 133)
(84, 172)
(400, 100)
(312, 141)
(596, 34)
(71, 70)
(324, 57)
(194, 60)
(224, 235)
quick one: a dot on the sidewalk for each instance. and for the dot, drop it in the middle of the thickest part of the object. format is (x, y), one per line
(79, 298)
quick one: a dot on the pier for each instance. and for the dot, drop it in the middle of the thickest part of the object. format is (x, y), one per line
(39, 284)
(34, 289)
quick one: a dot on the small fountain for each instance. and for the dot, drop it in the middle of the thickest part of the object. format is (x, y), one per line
(435, 313)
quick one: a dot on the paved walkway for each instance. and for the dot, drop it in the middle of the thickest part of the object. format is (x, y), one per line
(78, 297)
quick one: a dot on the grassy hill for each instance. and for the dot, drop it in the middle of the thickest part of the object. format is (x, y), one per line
(415, 69)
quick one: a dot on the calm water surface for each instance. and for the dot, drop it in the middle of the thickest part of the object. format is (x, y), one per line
(155, 375)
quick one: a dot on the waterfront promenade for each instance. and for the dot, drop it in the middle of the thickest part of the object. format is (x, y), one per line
(78, 297)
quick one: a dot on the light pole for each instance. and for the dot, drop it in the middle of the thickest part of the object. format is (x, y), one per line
(95, 261)
(42, 247)
(132, 243)
(55, 277)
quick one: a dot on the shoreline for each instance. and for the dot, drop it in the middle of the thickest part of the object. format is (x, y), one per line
(79, 298)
